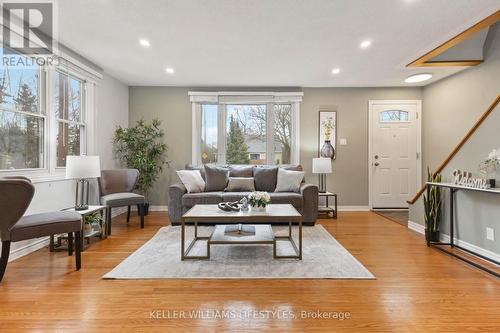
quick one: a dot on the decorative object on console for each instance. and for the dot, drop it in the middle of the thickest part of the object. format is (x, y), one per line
(489, 167)
(244, 204)
(327, 134)
(432, 207)
(81, 168)
(322, 166)
(259, 200)
(464, 178)
(141, 147)
(229, 206)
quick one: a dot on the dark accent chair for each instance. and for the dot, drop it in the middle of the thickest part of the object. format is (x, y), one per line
(115, 190)
(15, 196)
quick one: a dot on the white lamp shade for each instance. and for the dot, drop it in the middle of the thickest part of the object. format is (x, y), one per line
(79, 167)
(322, 165)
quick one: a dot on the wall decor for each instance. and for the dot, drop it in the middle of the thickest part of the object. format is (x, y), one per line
(465, 178)
(490, 166)
(327, 146)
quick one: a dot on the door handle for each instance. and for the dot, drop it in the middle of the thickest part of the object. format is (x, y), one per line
(376, 157)
(376, 164)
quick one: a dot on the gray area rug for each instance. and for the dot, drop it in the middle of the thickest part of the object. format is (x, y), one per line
(159, 258)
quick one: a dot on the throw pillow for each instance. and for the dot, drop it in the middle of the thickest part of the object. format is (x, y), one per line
(216, 178)
(192, 180)
(241, 171)
(240, 184)
(289, 181)
(265, 178)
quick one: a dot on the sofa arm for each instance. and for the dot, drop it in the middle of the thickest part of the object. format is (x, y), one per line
(310, 206)
(175, 193)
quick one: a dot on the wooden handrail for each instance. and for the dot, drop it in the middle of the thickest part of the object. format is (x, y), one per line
(460, 145)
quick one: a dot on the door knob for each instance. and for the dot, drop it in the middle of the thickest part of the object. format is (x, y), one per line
(376, 157)
(377, 164)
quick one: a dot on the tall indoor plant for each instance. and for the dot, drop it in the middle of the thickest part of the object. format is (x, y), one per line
(432, 208)
(141, 147)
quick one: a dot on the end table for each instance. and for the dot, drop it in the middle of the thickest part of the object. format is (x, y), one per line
(330, 211)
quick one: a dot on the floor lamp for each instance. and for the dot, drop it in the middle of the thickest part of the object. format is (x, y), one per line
(322, 166)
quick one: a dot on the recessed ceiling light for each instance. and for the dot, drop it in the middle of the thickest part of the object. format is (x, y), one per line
(418, 78)
(335, 70)
(169, 70)
(364, 44)
(144, 43)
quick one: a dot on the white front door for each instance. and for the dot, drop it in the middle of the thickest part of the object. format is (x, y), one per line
(394, 152)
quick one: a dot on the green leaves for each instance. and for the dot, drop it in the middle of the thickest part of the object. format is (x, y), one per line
(141, 147)
(432, 203)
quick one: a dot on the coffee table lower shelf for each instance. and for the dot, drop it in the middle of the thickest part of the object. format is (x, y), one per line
(264, 235)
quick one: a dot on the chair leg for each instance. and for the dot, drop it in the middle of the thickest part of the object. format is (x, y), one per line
(142, 215)
(109, 221)
(78, 250)
(128, 214)
(70, 244)
(5, 258)
(138, 210)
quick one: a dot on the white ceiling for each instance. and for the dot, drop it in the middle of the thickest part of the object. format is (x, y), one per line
(264, 42)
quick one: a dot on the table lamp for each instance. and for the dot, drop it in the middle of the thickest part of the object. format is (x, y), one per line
(322, 166)
(81, 168)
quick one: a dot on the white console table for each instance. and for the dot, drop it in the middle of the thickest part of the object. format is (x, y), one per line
(453, 189)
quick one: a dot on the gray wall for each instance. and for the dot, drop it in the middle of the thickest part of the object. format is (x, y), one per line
(451, 107)
(350, 177)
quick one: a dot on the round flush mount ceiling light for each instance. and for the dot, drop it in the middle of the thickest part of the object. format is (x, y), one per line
(335, 70)
(365, 44)
(144, 42)
(418, 78)
(169, 70)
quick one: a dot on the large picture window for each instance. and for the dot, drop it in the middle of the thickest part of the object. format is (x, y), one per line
(240, 130)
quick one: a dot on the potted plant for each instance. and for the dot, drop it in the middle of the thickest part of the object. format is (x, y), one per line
(92, 222)
(259, 200)
(432, 207)
(141, 147)
(489, 166)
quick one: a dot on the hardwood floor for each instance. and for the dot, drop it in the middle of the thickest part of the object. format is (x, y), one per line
(417, 289)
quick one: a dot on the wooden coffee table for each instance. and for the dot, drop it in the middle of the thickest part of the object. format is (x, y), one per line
(211, 214)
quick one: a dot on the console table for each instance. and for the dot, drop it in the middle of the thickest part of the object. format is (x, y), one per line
(454, 189)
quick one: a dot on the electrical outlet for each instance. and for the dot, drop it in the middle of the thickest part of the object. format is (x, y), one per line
(343, 141)
(490, 234)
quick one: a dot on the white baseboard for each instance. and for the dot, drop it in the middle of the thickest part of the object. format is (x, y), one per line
(28, 248)
(353, 208)
(446, 239)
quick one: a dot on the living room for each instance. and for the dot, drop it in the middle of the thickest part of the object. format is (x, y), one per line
(250, 166)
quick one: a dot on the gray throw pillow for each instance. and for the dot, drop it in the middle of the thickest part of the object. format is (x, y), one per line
(241, 171)
(289, 181)
(216, 178)
(240, 184)
(265, 178)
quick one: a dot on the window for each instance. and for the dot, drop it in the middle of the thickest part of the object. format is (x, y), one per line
(393, 116)
(22, 122)
(43, 118)
(68, 112)
(244, 129)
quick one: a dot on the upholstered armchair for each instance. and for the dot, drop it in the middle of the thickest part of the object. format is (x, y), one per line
(15, 196)
(115, 190)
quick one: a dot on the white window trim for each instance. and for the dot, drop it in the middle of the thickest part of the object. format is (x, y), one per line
(90, 79)
(221, 98)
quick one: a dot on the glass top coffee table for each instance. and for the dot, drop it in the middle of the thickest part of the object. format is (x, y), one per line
(211, 214)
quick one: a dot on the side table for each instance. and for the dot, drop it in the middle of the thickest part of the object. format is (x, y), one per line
(330, 211)
(101, 233)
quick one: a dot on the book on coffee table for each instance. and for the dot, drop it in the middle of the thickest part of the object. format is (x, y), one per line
(239, 230)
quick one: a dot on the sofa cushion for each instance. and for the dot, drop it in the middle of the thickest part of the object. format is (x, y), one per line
(45, 224)
(240, 184)
(265, 178)
(234, 196)
(216, 178)
(245, 171)
(295, 199)
(205, 198)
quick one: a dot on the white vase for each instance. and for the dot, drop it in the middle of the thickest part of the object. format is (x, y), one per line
(259, 209)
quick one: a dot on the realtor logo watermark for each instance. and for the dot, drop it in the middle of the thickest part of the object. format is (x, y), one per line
(28, 33)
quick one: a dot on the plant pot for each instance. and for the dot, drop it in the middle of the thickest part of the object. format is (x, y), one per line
(432, 236)
(259, 209)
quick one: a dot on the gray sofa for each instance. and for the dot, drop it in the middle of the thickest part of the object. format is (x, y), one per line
(265, 177)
